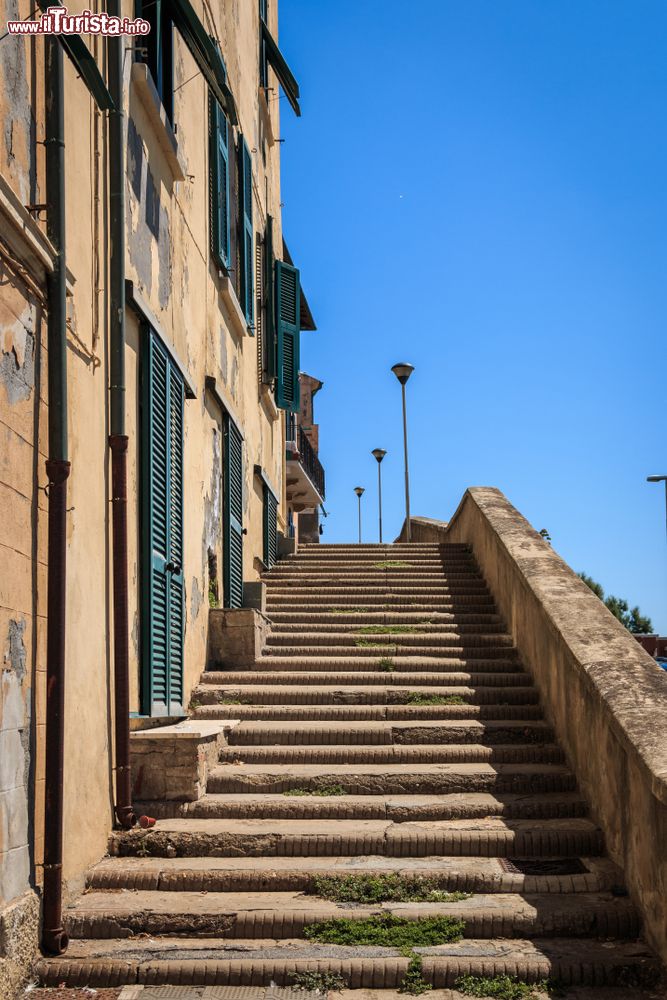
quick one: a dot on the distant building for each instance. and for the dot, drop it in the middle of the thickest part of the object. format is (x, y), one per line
(305, 485)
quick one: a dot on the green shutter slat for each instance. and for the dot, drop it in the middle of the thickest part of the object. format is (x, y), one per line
(270, 301)
(288, 307)
(233, 516)
(162, 614)
(270, 528)
(246, 251)
(219, 183)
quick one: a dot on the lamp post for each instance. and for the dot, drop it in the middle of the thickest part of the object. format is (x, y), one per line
(403, 371)
(359, 490)
(378, 454)
(660, 479)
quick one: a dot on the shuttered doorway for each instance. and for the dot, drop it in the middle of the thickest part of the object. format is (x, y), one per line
(162, 590)
(233, 532)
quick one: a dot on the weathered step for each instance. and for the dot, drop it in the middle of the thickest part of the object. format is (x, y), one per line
(408, 754)
(356, 616)
(397, 677)
(384, 600)
(385, 733)
(471, 874)
(159, 961)
(432, 640)
(392, 779)
(292, 658)
(210, 692)
(425, 628)
(287, 914)
(398, 808)
(491, 837)
(356, 713)
(350, 589)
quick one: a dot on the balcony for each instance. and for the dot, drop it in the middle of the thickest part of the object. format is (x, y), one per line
(305, 475)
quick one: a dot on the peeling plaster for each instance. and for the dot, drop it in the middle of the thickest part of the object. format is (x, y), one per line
(17, 341)
(18, 127)
(16, 656)
(195, 599)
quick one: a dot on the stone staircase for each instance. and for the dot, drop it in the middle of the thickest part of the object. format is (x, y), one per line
(389, 731)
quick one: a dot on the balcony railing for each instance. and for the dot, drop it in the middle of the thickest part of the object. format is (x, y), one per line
(310, 462)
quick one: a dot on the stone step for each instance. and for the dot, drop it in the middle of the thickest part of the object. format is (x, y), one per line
(453, 753)
(354, 618)
(433, 576)
(356, 692)
(287, 914)
(350, 589)
(386, 733)
(399, 808)
(441, 603)
(160, 961)
(357, 673)
(342, 627)
(433, 638)
(471, 874)
(359, 713)
(392, 778)
(491, 837)
(451, 660)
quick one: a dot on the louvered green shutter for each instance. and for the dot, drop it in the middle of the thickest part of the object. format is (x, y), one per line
(269, 332)
(162, 522)
(246, 252)
(270, 528)
(233, 516)
(219, 183)
(288, 305)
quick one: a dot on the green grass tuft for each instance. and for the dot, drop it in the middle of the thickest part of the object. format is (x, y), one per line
(347, 611)
(324, 792)
(382, 888)
(414, 981)
(499, 987)
(318, 982)
(415, 698)
(392, 564)
(386, 664)
(367, 644)
(387, 931)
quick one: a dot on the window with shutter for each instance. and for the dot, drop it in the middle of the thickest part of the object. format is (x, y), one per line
(269, 325)
(233, 516)
(270, 528)
(219, 184)
(246, 251)
(288, 303)
(162, 591)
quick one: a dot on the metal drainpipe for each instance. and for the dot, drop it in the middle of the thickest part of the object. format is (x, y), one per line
(54, 938)
(118, 440)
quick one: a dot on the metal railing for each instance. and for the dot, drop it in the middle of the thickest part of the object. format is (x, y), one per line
(310, 462)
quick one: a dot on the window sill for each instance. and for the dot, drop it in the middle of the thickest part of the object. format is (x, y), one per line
(235, 314)
(269, 403)
(143, 82)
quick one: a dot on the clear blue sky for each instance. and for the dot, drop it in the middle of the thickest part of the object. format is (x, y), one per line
(479, 187)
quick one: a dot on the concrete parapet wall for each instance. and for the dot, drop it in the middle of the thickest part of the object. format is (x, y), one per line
(604, 695)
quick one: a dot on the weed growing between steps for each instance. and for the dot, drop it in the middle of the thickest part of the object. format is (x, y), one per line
(224, 699)
(500, 987)
(367, 644)
(414, 982)
(415, 698)
(387, 931)
(384, 888)
(386, 664)
(347, 611)
(324, 792)
(386, 629)
(319, 982)
(392, 564)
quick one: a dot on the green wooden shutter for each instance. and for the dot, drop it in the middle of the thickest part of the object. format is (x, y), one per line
(269, 332)
(219, 183)
(246, 252)
(270, 528)
(162, 596)
(288, 305)
(233, 516)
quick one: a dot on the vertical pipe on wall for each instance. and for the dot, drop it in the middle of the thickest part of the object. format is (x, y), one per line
(118, 440)
(54, 938)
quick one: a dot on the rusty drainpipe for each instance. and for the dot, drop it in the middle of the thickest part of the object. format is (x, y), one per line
(118, 440)
(54, 938)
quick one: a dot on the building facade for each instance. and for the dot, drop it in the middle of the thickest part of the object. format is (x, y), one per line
(206, 306)
(305, 479)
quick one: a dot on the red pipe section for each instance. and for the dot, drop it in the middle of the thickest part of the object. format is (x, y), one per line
(124, 812)
(54, 938)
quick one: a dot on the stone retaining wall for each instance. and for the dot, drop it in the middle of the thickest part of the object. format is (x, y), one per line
(604, 695)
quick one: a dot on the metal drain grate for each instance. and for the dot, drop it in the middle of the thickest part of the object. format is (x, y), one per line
(543, 866)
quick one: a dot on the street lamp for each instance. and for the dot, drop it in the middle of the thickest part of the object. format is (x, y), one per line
(359, 490)
(660, 479)
(379, 453)
(403, 372)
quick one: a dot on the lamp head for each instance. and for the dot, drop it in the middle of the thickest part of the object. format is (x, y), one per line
(359, 490)
(378, 453)
(656, 479)
(403, 371)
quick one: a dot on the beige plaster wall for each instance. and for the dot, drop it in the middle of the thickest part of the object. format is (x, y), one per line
(605, 696)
